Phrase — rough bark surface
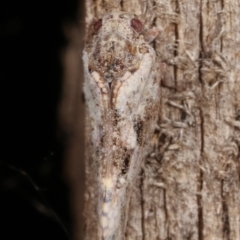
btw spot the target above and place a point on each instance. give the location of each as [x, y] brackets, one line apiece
[189, 185]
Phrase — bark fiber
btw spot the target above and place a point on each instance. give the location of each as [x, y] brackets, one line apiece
[189, 185]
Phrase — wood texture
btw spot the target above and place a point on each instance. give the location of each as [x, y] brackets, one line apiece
[189, 185]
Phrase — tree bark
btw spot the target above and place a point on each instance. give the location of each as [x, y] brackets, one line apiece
[189, 185]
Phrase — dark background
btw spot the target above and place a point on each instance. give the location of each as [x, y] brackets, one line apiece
[32, 185]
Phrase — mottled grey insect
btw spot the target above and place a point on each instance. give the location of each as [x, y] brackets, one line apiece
[122, 96]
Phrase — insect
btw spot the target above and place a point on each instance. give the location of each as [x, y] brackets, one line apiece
[121, 88]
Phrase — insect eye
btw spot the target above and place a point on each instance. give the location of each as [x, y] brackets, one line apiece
[136, 25]
[97, 25]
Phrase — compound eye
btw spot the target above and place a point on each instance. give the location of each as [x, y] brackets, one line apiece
[136, 25]
[97, 25]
